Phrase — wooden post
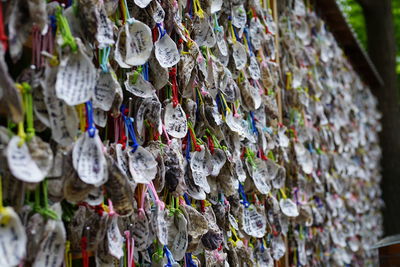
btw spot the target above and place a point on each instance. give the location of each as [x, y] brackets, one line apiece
[285, 260]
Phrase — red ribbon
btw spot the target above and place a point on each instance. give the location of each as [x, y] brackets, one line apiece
[3, 36]
[193, 137]
[172, 75]
[202, 206]
[210, 144]
[85, 257]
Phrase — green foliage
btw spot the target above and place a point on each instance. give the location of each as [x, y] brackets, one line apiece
[355, 17]
[396, 20]
[354, 14]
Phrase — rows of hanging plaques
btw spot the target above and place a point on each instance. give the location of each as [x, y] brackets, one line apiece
[183, 133]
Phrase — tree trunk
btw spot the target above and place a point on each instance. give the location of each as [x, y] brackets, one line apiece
[382, 50]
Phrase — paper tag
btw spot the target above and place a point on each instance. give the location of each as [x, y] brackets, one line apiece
[100, 117]
[231, 90]
[158, 14]
[149, 109]
[21, 163]
[221, 43]
[12, 240]
[175, 121]
[197, 161]
[234, 123]
[122, 160]
[161, 226]
[216, 6]
[283, 139]
[142, 3]
[260, 174]
[278, 247]
[141, 233]
[62, 118]
[58, 160]
[39, 106]
[139, 86]
[212, 240]
[239, 55]
[254, 68]
[142, 165]
[95, 196]
[197, 223]
[251, 96]
[115, 239]
[240, 173]
[204, 34]
[288, 207]
[239, 16]
[139, 43]
[233, 222]
[303, 157]
[159, 76]
[302, 252]
[201, 62]
[34, 228]
[180, 241]
[215, 114]
[264, 258]
[51, 252]
[218, 160]
[194, 190]
[76, 78]
[280, 178]
[78, 143]
[166, 52]
[222, 58]
[119, 189]
[88, 159]
[254, 224]
[105, 90]
[120, 48]
[104, 34]
[186, 66]
[41, 154]
[200, 179]
[257, 32]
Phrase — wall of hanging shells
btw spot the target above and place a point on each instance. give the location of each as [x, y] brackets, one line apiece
[183, 133]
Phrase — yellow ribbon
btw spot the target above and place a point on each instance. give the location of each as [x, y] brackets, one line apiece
[197, 9]
[5, 216]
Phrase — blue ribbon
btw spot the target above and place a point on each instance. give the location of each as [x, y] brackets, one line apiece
[161, 30]
[131, 129]
[188, 147]
[146, 71]
[253, 123]
[170, 258]
[187, 200]
[189, 260]
[53, 23]
[89, 113]
[246, 33]
[244, 198]
[262, 246]
[220, 104]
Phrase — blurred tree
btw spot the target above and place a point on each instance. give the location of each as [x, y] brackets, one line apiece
[375, 26]
[354, 13]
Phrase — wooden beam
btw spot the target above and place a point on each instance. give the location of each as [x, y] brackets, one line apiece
[344, 35]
